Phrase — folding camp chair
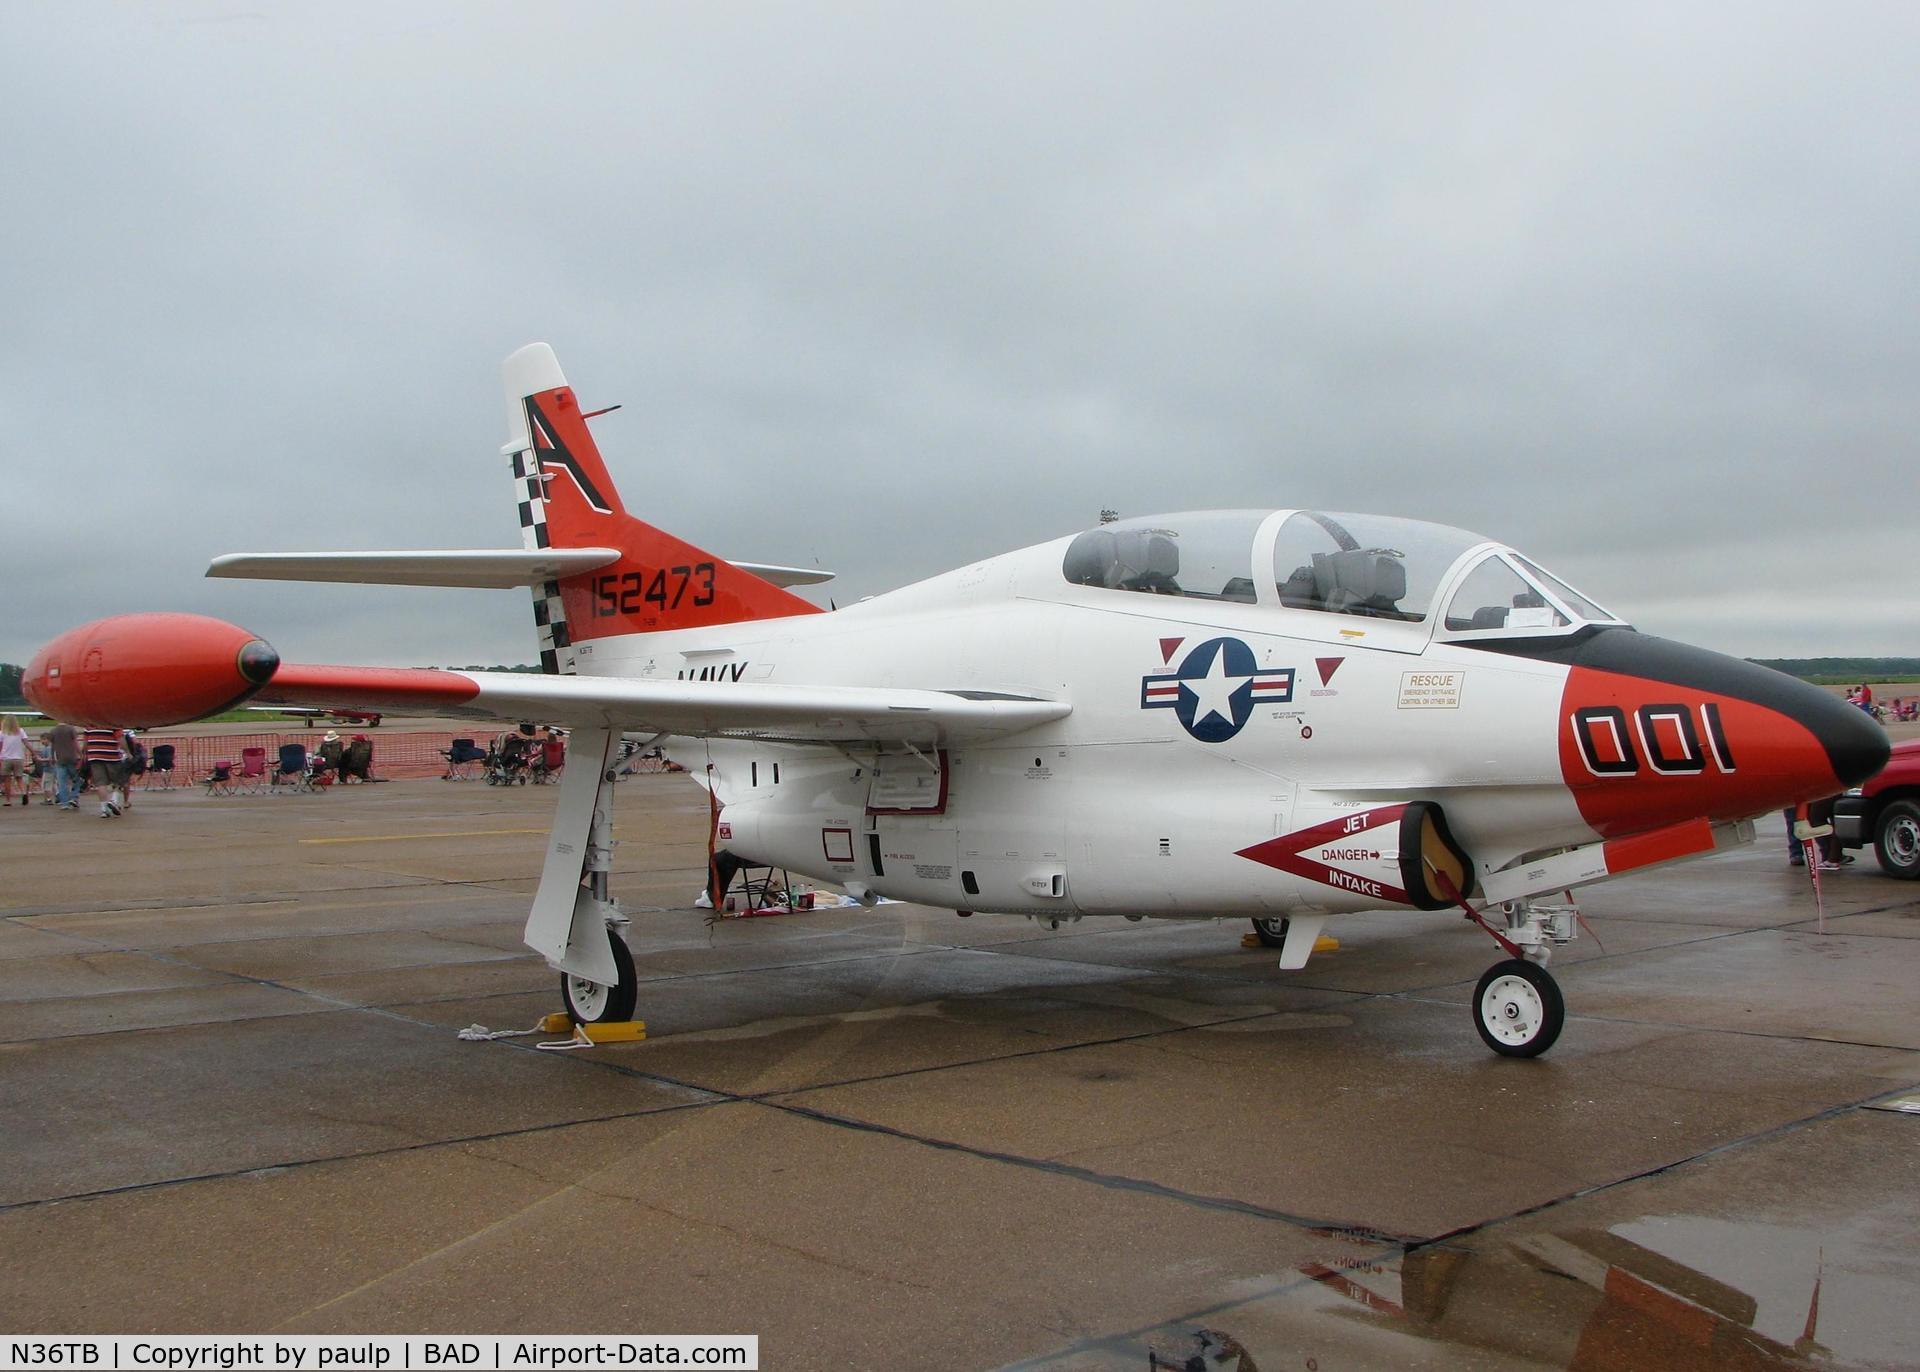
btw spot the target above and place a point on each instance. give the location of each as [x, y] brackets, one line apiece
[160, 766]
[252, 776]
[461, 758]
[356, 764]
[291, 770]
[219, 781]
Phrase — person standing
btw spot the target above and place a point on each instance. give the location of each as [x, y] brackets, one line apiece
[106, 768]
[13, 762]
[133, 755]
[64, 740]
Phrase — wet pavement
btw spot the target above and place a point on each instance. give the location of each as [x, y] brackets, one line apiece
[231, 1098]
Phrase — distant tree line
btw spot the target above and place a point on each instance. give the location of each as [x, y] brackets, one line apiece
[1850, 668]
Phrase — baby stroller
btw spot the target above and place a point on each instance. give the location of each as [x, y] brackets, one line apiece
[507, 761]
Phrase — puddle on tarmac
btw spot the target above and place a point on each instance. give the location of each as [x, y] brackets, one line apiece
[1665, 1292]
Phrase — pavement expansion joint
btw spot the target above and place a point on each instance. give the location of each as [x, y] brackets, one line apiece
[1105, 1180]
[1725, 1146]
[158, 905]
[391, 1150]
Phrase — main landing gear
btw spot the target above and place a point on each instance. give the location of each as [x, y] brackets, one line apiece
[1517, 1006]
[573, 920]
[1272, 932]
[597, 1002]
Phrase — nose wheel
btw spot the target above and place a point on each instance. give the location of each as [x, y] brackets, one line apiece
[1517, 1009]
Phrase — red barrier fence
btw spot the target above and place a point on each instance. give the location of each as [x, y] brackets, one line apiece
[396, 753]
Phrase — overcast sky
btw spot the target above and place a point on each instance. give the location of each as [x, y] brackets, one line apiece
[891, 288]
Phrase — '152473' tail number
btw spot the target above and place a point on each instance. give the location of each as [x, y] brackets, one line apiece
[627, 593]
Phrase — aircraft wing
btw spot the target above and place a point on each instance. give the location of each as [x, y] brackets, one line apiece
[478, 567]
[700, 709]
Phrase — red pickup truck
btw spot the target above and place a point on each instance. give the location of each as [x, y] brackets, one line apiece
[1886, 813]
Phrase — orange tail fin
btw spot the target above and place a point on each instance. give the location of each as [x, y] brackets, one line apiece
[568, 500]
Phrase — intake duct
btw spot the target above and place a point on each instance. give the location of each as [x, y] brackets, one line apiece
[1428, 851]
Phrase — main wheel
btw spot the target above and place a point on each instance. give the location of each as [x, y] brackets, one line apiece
[1896, 840]
[1272, 933]
[1517, 1009]
[593, 1002]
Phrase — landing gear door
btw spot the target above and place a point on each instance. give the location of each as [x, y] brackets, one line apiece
[909, 784]
[911, 844]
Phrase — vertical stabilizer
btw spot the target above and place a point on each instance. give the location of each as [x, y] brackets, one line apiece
[567, 499]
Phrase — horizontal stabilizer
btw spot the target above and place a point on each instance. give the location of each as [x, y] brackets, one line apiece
[484, 567]
[475, 567]
[785, 576]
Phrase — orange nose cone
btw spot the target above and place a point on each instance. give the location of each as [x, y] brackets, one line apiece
[142, 671]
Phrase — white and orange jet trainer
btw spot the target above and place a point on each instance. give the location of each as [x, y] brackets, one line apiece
[1283, 715]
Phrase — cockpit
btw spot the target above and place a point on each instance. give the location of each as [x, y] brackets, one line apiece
[1367, 566]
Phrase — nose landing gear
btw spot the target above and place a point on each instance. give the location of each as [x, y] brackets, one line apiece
[1517, 1007]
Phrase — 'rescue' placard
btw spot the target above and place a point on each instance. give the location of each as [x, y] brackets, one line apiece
[1430, 690]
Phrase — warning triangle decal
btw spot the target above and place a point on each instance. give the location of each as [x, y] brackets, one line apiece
[1345, 852]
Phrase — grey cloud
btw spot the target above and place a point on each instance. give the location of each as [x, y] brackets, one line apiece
[892, 288]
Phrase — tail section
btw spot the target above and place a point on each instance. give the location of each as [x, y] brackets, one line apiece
[567, 500]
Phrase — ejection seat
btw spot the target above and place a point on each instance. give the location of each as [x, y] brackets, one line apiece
[1149, 561]
[1362, 582]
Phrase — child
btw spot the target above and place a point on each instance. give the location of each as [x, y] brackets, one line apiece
[14, 756]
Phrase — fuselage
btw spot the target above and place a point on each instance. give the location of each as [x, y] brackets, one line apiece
[1203, 727]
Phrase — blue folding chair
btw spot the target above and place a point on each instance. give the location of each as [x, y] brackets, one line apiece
[291, 770]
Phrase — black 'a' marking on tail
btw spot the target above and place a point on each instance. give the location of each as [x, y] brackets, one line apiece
[549, 451]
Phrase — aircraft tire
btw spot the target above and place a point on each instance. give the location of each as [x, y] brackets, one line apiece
[589, 1002]
[1272, 933]
[1518, 1009]
[1896, 840]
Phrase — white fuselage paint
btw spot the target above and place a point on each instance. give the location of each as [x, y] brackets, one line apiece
[1117, 808]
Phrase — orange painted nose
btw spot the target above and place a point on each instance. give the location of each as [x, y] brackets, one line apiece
[1653, 731]
[146, 670]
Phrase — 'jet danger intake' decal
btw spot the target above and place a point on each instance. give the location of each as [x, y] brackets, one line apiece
[1214, 689]
[1357, 853]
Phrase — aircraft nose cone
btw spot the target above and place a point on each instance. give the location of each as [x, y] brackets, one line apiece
[1850, 746]
[1856, 745]
[1653, 731]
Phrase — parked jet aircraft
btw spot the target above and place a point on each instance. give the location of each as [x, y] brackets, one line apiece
[1284, 714]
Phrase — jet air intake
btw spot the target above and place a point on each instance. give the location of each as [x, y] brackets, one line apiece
[1435, 871]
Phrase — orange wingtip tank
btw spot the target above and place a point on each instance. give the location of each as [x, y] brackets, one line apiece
[145, 670]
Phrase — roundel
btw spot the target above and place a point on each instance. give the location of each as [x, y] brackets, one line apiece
[1214, 689]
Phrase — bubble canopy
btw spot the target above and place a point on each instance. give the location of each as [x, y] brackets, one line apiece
[1369, 566]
